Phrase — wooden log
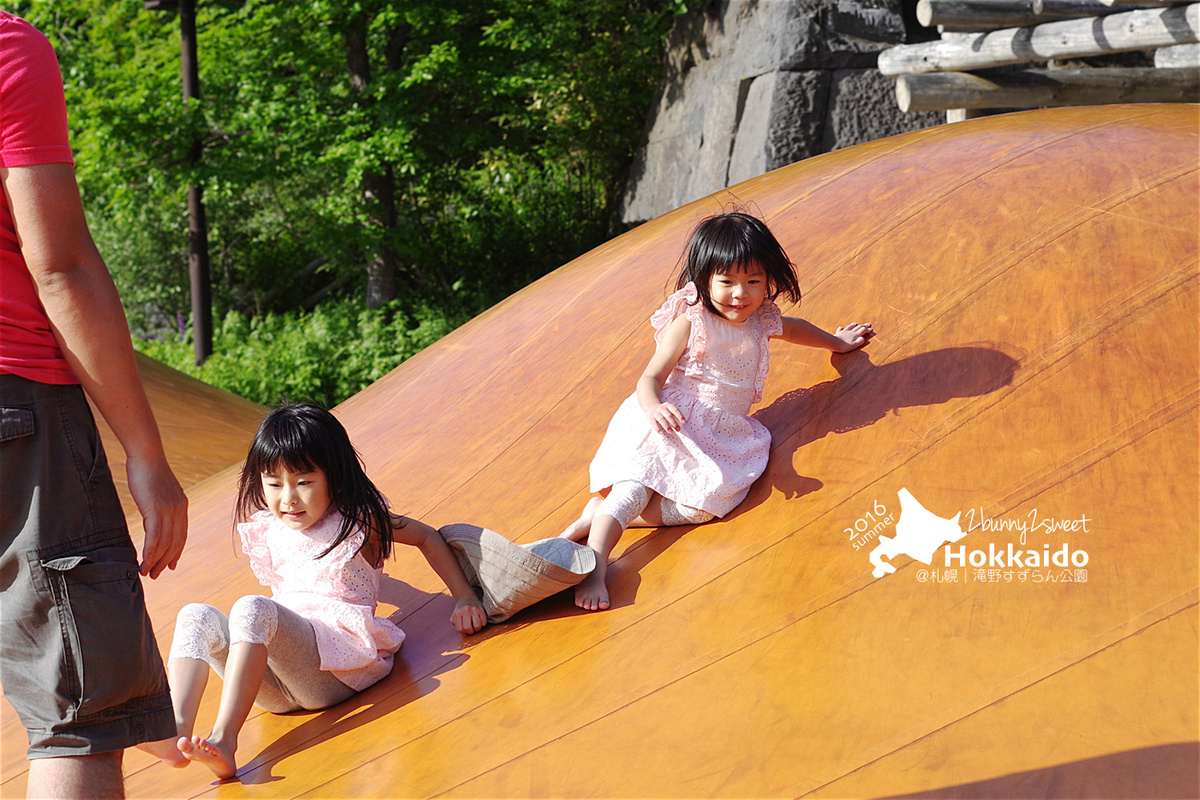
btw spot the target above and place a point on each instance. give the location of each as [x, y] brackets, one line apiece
[1144, 29]
[1045, 89]
[983, 15]
[1068, 9]
[977, 14]
[1142, 3]
[1181, 56]
[961, 114]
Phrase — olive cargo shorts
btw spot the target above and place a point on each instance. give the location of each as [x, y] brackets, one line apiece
[78, 658]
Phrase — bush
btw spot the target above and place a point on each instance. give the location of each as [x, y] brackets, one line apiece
[322, 357]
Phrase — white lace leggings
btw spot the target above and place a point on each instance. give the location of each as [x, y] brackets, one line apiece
[627, 499]
[294, 679]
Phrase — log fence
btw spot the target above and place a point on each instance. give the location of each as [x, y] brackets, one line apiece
[1016, 54]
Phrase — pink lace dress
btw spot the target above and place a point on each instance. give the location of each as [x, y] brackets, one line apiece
[337, 593]
[710, 463]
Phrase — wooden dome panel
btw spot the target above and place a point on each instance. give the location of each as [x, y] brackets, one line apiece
[1033, 280]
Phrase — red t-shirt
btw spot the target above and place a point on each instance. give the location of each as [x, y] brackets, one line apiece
[33, 130]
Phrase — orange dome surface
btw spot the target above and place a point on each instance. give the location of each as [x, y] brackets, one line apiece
[1032, 279]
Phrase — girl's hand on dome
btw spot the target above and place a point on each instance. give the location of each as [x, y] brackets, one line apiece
[853, 336]
[469, 616]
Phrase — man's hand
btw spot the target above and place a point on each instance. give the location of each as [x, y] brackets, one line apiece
[163, 506]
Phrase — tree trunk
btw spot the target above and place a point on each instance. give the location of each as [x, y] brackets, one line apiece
[378, 186]
[379, 190]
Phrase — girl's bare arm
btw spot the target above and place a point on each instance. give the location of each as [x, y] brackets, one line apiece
[663, 416]
[468, 616]
[843, 340]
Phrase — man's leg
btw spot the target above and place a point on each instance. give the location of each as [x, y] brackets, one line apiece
[94, 777]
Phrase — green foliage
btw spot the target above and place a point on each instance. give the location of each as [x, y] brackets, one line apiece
[471, 147]
[324, 356]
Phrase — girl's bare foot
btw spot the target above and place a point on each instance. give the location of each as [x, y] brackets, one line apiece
[592, 593]
[578, 530]
[210, 753]
[167, 751]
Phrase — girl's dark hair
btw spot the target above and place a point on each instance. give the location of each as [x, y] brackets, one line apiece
[731, 241]
[299, 437]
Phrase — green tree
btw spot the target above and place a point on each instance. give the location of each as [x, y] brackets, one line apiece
[439, 154]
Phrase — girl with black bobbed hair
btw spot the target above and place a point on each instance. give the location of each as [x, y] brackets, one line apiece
[683, 449]
[317, 532]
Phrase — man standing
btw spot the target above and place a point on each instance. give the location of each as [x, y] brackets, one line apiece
[79, 661]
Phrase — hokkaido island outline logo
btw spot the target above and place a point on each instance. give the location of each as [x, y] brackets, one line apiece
[920, 533]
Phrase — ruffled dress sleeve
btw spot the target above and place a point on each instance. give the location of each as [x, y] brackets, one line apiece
[771, 318]
[685, 301]
[770, 323]
[254, 544]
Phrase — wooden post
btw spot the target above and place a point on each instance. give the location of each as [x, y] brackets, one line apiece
[1144, 29]
[1044, 89]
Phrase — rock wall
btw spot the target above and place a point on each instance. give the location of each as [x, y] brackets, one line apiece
[753, 85]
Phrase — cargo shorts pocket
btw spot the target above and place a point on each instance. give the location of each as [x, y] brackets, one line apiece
[109, 655]
[15, 423]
